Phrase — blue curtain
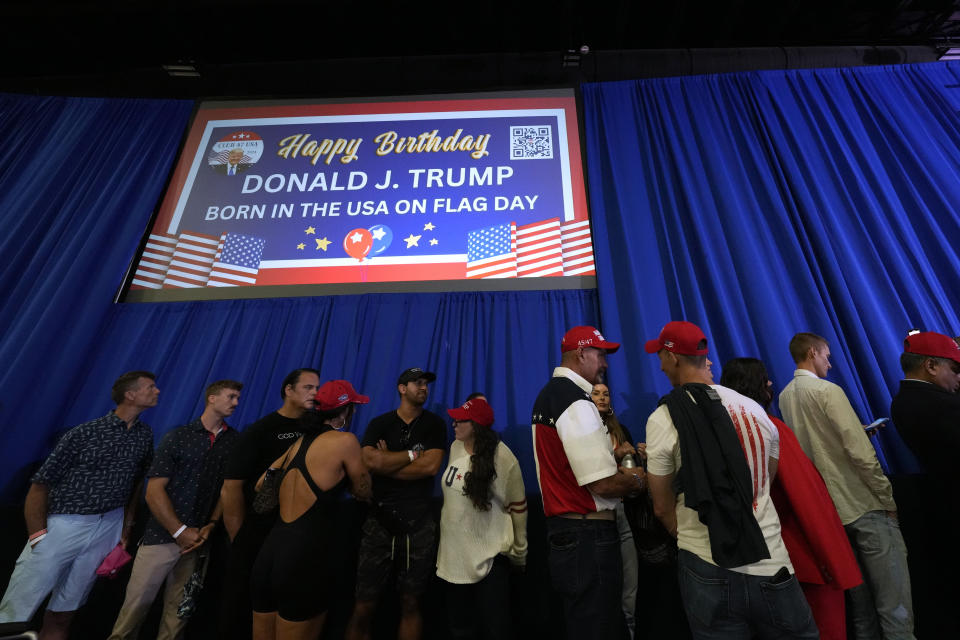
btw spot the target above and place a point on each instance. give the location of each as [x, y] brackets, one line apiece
[766, 203]
[78, 181]
[756, 204]
[502, 343]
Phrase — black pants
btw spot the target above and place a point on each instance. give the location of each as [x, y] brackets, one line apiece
[481, 610]
[236, 610]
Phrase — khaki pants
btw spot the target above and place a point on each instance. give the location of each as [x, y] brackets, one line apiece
[154, 564]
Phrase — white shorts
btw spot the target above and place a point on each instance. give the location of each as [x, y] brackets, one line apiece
[64, 562]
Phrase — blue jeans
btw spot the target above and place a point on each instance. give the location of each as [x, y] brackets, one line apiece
[884, 597]
[723, 604]
[584, 560]
[629, 563]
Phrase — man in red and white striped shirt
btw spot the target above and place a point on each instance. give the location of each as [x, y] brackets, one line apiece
[763, 598]
[581, 483]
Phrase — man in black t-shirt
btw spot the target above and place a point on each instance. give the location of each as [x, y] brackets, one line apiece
[404, 451]
[259, 445]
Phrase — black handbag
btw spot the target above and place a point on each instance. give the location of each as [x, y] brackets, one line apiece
[267, 497]
[655, 546]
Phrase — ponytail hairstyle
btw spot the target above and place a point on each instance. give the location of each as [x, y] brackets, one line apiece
[479, 479]
[320, 421]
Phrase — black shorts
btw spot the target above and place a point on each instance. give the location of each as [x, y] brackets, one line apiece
[291, 575]
[411, 555]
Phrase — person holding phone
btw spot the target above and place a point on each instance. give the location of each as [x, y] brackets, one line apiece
[833, 437]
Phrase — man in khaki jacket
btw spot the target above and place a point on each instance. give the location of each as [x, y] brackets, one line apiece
[833, 437]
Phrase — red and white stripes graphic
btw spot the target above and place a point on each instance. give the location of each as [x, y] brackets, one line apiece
[155, 260]
[753, 445]
[516, 507]
[216, 256]
[538, 249]
[577, 249]
[192, 260]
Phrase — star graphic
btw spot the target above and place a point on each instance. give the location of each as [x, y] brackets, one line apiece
[310, 230]
[412, 241]
[550, 421]
[434, 241]
[301, 246]
[322, 243]
[429, 227]
[357, 237]
[378, 233]
[459, 476]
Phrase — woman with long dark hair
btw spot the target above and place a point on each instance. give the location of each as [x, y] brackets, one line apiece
[291, 578]
[620, 438]
[483, 525]
[811, 529]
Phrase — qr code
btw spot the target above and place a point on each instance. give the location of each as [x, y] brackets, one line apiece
[531, 142]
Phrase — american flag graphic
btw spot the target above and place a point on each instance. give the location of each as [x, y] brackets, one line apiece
[754, 447]
[192, 259]
[237, 262]
[492, 252]
[577, 249]
[154, 260]
[539, 249]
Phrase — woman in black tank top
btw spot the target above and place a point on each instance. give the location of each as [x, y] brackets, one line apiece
[291, 576]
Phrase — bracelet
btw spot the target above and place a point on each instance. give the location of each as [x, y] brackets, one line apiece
[37, 534]
[33, 541]
[182, 528]
[639, 481]
[410, 453]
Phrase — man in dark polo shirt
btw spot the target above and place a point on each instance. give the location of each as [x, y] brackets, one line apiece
[581, 484]
[926, 413]
[258, 446]
[403, 450]
[183, 493]
[75, 507]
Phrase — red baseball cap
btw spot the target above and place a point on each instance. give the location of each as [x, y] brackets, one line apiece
[477, 410]
[336, 393]
[680, 337]
[584, 336]
[933, 344]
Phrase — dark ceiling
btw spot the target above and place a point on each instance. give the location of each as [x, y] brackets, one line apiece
[243, 47]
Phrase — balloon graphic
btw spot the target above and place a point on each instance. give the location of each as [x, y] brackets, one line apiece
[357, 243]
[382, 237]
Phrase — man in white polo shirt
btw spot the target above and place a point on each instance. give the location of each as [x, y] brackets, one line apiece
[711, 456]
[581, 485]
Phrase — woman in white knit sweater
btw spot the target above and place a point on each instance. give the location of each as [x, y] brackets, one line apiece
[483, 525]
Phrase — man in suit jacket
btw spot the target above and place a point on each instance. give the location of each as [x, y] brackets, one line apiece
[234, 164]
[926, 412]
